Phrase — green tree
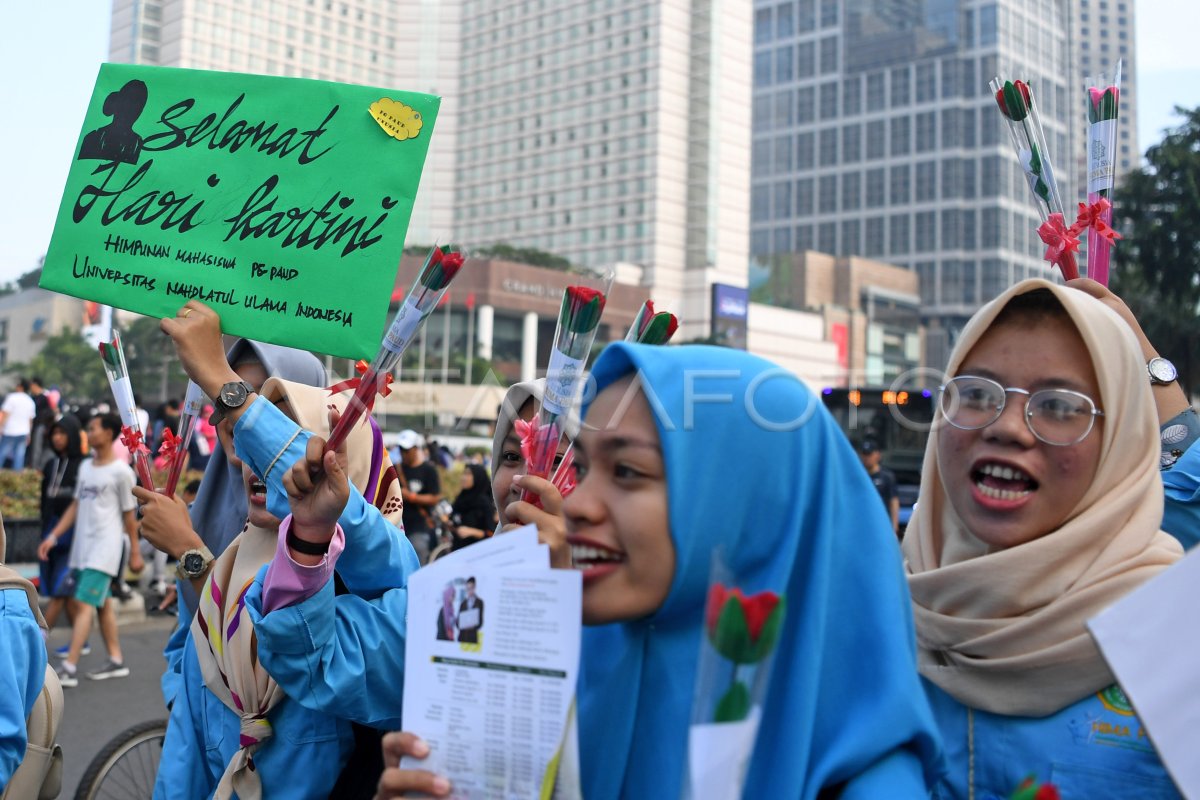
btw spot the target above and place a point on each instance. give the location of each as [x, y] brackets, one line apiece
[154, 371]
[67, 361]
[525, 255]
[1158, 262]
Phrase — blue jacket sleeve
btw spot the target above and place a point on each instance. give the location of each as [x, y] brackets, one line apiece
[22, 671]
[898, 774]
[342, 655]
[173, 653]
[1181, 511]
[181, 772]
[377, 555]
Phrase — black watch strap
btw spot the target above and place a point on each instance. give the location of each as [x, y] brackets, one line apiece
[308, 548]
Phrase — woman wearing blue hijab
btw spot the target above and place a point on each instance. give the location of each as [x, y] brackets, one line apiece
[658, 494]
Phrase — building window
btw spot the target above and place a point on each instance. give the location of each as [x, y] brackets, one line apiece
[901, 135]
[852, 96]
[851, 144]
[926, 222]
[829, 13]
[875, 139]
[783, 200]
[805, 150]
[828, 196]
[785, 23]
[762, 26]
[806, 19]
[828, 145]
[806, 60]
[875, 95]
[762, 68]
[926, 82]
[901, 189]
[901, 89]
[876, 191]
[785, 109]
[806, 104]
[874, 234]
[827, 237]
[829, 100]
[851, 238]
[851, 191]
[898, 243]
[926, 181]
[785, 64]
[783, 154]
[829, 55]
[926, 132]
[804, 197]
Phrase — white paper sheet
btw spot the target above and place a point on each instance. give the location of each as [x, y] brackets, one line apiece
[493, 711]
[1149, 638]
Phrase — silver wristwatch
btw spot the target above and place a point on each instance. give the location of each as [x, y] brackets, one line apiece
[1161, 371]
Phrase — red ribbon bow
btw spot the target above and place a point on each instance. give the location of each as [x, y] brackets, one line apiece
[1059, 238]
[353, 383]
[170, 444]
[1092, 216]
[133, 440]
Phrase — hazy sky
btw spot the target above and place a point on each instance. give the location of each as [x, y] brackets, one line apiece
[50, 51]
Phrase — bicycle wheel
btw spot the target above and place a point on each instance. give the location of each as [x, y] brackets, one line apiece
[126, 767]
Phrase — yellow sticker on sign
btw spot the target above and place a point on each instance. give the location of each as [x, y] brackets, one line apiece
[397, 120]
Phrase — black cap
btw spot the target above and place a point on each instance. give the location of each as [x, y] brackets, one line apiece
[868, 446]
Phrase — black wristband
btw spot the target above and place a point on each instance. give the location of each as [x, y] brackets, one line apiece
[308, 548]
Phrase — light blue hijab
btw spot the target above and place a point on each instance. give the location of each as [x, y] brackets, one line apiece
[757, 468]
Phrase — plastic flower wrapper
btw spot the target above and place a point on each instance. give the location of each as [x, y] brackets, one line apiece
[650, 327]
[1030, 789]
[174, 446]
[1103, 102]
[1019, 109]
[578, 322]
[441, 265]
[112, 355]
[740, 634]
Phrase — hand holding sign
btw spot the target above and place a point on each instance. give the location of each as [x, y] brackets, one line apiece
[196, 331]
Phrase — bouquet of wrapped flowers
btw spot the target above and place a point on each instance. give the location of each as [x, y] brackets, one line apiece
[174, 447]
[112, 355]
[1019, 109]
[578, 321]
[441, 266]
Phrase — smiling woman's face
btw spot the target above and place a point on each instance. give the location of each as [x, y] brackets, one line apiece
[618, 523]
[1007, 486]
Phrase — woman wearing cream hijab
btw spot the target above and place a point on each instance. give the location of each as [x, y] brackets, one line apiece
[1040, 505]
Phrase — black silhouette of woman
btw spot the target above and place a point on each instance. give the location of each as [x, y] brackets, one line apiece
[117, 141]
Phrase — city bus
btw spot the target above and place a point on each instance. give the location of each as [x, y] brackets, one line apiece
[898, 420]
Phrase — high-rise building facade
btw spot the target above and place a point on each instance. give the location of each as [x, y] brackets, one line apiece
[875, 134]
[393, 44]
[611, 131]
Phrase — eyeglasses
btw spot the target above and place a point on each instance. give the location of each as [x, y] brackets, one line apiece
[1055, 416]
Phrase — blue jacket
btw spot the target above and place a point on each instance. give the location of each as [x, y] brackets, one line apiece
[1093, 748]
[22, 670]
[316, 650]
[1181, 487]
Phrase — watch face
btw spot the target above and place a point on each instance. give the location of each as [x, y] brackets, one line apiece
[1162, 370]
[233, 394]
[193, 563]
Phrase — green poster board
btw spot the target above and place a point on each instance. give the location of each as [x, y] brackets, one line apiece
[281, 202]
